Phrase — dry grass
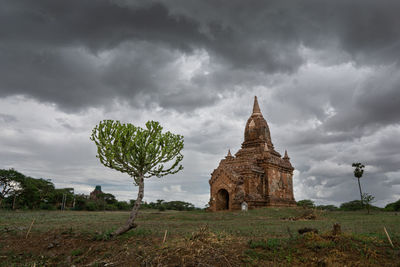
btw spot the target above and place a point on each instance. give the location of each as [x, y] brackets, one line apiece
[255, 238]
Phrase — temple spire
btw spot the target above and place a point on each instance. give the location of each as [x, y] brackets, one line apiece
[229, 156]
[256, 108]
[286, 157]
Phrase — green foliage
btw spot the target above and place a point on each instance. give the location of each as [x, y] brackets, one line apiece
[327, 207]
[351, 205]
[306, 203]
[367, 200]
[171, 205]
[136, 151]
[355, 205]
[257, 243]
[76, 252]
[106, 235]
[80, 202]
[35, 191]
[123, 205]
[270, 243]
[359, 169]
[10, 183]
[394, 206]
[47, 206]
[92, 205]
[141, 153]
[41, 194]
[358, 173]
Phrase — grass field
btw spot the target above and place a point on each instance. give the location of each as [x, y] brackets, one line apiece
[257, 237]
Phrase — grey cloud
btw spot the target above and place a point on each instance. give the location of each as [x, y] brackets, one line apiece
[57, 45]
[326, 73]
[7, 118]
[374, 103]
[94, 24]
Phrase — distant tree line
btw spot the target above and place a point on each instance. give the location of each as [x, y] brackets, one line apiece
[18, 191]
[349, 206]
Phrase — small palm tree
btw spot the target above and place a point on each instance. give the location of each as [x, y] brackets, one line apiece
[358, 173]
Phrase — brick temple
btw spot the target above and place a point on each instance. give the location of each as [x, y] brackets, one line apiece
[257, 176]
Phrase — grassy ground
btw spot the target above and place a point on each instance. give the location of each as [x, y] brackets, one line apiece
[258, 237]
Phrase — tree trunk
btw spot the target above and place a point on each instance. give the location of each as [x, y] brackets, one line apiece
[15, 196]
[135, 210]
[359, 186]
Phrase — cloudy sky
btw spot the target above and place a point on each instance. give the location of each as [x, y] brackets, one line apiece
[326, 74]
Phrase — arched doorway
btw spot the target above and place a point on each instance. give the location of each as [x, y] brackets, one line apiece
[222, 200]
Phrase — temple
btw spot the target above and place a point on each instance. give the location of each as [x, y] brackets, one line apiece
[257, 176]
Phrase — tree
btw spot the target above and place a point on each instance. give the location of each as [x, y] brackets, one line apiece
[367, 199]
[306, 203]
[9, 183]
[140, 153]
[34, 192]
[358, 173]
[395, 206]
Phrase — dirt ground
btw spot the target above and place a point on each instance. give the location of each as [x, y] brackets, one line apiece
[201, 248]
[264, 237]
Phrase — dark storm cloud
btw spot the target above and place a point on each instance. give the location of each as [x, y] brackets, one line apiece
[326, 72]
[54, 45]
[94, 24]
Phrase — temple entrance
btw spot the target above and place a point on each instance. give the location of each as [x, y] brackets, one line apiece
[222, 200]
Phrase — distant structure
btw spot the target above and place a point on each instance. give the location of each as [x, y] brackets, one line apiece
[94, 194]
[257, 176]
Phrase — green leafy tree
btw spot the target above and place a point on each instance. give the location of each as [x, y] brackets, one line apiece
[35, 191]
[358, 173]
[306, 203]
[395, 206]
[9, 183]
[367, 200]
[140, 153]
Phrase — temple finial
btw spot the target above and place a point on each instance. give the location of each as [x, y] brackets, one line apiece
[286, 156]
[256, 108]
[229, 156]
